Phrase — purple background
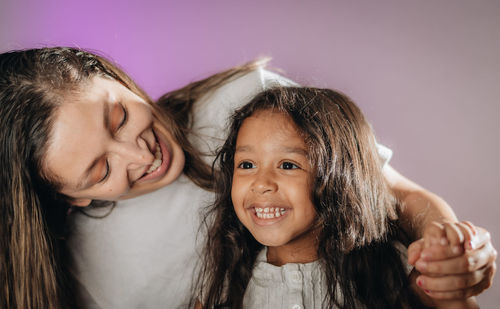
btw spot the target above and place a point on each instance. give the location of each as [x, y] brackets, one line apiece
[426, 73]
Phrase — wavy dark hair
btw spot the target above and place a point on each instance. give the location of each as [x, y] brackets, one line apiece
[34, 260]
[356, 210]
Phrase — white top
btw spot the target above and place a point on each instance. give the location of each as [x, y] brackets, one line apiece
[142, 255]
[291, 286]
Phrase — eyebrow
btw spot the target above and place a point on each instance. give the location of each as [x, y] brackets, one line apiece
[83, 182]
[296, 150]
[106, 115]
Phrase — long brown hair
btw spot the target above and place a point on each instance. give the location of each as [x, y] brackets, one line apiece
[33, 257]
[177, 106]
[356, 209]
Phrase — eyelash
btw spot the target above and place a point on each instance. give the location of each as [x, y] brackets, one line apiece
[107, 172]
[295, 166]
[245, 162]
[125, 117]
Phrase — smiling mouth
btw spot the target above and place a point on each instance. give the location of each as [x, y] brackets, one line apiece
[160, 164]
[158, 160]
[269, 212]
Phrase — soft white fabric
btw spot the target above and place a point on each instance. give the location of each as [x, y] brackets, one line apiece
[292, 285]
[143, 254]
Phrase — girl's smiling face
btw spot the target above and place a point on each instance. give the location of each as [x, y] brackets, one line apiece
[106, 144]
[272, 180]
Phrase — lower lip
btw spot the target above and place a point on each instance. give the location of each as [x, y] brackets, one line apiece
[266, 222]
[165, 164]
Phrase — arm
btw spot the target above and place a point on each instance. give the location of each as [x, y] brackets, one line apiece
[444, 274]
[419, 207]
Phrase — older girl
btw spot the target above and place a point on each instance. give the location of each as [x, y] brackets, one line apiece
[76, 131]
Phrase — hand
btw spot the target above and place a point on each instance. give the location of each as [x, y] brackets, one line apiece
[450, 270]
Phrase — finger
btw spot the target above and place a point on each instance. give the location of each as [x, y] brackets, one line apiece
[471, 226]
[433, 234]
[453, 282]
[454, 234]
[461, 293]
[482, 237]
[468, 232]
[436, 253]
[492, 273]
[414, 251]
[465, 263]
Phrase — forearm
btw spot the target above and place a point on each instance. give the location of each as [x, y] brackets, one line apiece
[418, 207]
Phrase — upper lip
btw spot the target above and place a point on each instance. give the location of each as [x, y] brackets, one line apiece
[152, 149]
[266, 205]
[152, 146]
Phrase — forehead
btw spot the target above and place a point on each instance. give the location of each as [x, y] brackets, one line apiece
[264, 125]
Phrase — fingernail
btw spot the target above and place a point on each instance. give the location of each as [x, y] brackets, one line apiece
[443, 241]
[471, 245]
[419, 282]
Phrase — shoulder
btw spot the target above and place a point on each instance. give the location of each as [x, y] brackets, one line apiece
[244, 87]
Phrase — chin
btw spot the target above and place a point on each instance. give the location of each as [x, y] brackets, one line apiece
[270, 241]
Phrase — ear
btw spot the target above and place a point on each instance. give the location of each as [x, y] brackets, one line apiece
[81, 202]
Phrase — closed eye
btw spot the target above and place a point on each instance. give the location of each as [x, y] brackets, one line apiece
[246, 165]
[125, 117]
[107, 172]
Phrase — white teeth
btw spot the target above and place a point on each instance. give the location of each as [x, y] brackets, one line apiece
[269, 212]
[158, 160]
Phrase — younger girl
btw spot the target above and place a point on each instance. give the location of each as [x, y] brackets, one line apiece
[303, 216]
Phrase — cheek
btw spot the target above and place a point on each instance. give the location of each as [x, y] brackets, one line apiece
[237, 191]
[302, 195]
[143, 113]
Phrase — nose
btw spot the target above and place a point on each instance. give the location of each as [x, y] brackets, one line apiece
[264, 182]
[135, 156]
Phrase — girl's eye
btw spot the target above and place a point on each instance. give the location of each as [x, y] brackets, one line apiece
[118, 117]
[246, 165]
[288, 166]
[107, 172]
[125, 117]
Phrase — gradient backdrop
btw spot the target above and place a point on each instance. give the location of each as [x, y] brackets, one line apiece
[426, 73]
